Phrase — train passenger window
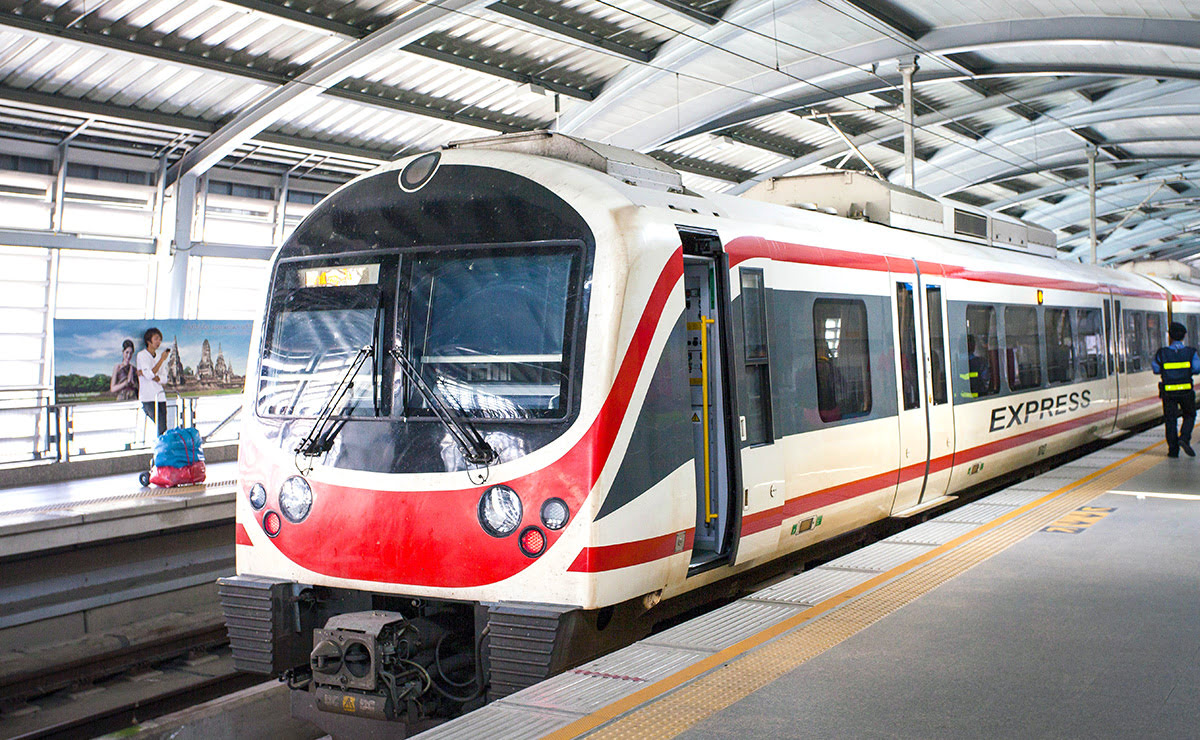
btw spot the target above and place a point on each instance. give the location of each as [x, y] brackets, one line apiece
[937, 345]
[1021, 347]
[1089, 343]
[843, 359]
[1193, 330]
[1135, 340]
[758, 377]
[909, 383]
[983, 353]
[1060, 346]
[1156, 335]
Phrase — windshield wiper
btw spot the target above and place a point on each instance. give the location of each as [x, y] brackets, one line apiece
[320, 438]
[475, 449]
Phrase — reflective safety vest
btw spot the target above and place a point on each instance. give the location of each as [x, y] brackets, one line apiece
[1176, 366]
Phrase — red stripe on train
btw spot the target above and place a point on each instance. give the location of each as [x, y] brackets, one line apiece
[241, 536]
[751, 247]
[626, 553]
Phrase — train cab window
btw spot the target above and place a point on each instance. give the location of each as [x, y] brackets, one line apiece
[843, 359]
[1060, 346]
[982, 369]
[937, 345]
[1135, 340]
[1089, 343]
[325, 319]
[1021, 347]
[758, 382]
[490, 330]
[909, 382]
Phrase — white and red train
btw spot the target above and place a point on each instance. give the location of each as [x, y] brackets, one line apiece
[510, 396]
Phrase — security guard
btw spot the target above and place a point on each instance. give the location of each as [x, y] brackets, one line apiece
[1177, 363]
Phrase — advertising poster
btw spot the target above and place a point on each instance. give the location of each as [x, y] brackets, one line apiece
[94, 359]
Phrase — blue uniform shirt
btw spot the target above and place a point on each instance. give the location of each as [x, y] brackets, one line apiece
[1177, 345]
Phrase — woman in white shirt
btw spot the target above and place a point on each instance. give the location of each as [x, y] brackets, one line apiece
[150, 377]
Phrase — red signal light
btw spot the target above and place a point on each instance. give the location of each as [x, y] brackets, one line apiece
[272, 523]
[533, 541]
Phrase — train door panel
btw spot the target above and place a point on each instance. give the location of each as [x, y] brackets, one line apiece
[1114, 379]
[912, 419]
[1122, 348]
[761, 462]
[937, 390]
[708, 412]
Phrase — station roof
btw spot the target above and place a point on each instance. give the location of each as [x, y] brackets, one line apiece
[1009, 95]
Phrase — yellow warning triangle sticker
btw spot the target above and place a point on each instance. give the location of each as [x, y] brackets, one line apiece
[695, 417]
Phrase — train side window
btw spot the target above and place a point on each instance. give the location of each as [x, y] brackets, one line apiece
[1135, 331]
[1193, 330]
[843, 358]
[1060, 346]
[937, 358]
[1156, 335]
[758, 377]
[1021, 347]
[909, 384]
[1089, 343]
[983, 352]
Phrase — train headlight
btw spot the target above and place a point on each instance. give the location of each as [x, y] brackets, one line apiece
[555, 513]
[500, 511]
[258, 496]
[295, 499]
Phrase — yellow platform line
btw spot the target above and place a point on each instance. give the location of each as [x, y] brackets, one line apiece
[673, 704]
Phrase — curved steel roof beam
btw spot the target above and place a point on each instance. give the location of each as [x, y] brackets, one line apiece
[998, 146]
[1110, 199]
[315, 80]
[799, 84]
[1138, 236]
[1151, 169]
[978, 166]
[895, 130]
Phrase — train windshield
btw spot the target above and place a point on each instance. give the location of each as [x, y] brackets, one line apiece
[490, 330]
[321, 319]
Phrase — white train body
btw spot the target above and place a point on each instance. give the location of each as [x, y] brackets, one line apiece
[809, 356]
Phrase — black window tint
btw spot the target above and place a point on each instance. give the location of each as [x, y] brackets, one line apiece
[937, 344]
[1060, 346]
[1021, 347]
[909, 386]
[1135, 341]
[754, 321]
[842, 359]
[983, 352]
[1089, 343]
[758, 380]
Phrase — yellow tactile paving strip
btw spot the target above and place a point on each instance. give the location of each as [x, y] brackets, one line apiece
[672, 705]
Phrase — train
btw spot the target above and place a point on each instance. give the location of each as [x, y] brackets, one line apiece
[517, 398]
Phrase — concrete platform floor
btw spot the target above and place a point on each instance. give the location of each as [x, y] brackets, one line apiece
[1090, 634]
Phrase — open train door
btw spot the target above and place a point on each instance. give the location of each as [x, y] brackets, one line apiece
[925, 417]
[705, 278]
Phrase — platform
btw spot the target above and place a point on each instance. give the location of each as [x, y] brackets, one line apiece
[1063, 606]
[52, 515]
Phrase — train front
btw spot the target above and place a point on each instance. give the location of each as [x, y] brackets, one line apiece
[410, 462]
